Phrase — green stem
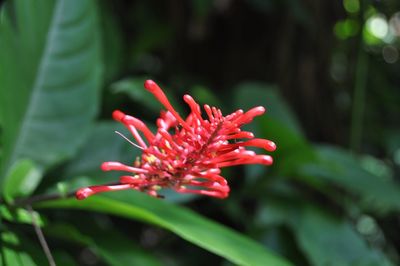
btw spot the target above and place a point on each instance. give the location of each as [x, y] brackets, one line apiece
[360, 86]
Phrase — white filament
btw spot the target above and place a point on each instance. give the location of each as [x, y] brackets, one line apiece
[128, 140]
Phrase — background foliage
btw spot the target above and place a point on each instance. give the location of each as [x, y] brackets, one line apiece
[327, 71]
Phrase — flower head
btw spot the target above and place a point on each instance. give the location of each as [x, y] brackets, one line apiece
[186, 154]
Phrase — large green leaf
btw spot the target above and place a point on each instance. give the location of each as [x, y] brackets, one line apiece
[328, 240]
[50, 65]
[189, 225]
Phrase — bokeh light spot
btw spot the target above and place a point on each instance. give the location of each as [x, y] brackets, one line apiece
[394, 24]
[351, 6]
[346, 28]
[378, 26]
[366, 225]
[390, 54]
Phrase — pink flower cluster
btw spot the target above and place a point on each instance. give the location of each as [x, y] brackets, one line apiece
[186, 154]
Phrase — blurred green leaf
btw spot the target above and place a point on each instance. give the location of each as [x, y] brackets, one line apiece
[205, 96]
[341, 168]
[113, 45]
[103, 145]
[63, 258]
[278, 124]
[19, 251]
[190, 226]
[251, 94]
[134, 88]
[324, 238]
[152, 34]
[328, 240]
[50, 54]
[10, 255]
[20, 215]
[113, 247]
[22, 180]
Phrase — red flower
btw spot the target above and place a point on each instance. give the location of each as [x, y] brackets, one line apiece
[186, 154]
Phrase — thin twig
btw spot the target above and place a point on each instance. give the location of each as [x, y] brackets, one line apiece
[41, 198]
[41, 238]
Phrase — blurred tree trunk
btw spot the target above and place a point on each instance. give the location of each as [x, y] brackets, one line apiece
[289, 45]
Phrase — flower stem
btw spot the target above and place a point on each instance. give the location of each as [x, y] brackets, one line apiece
[40, 198]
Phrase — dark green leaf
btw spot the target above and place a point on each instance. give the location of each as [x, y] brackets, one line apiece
[328, 240]
[203, 95]
[278, 124]
[113, 44]
[111, 246]
[251, 94]
[17, 251]
[324, 238]
[103, 145]
[338, 166]
[133, 87]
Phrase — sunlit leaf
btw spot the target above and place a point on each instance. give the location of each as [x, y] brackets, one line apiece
[20, 215]
[22, 180]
